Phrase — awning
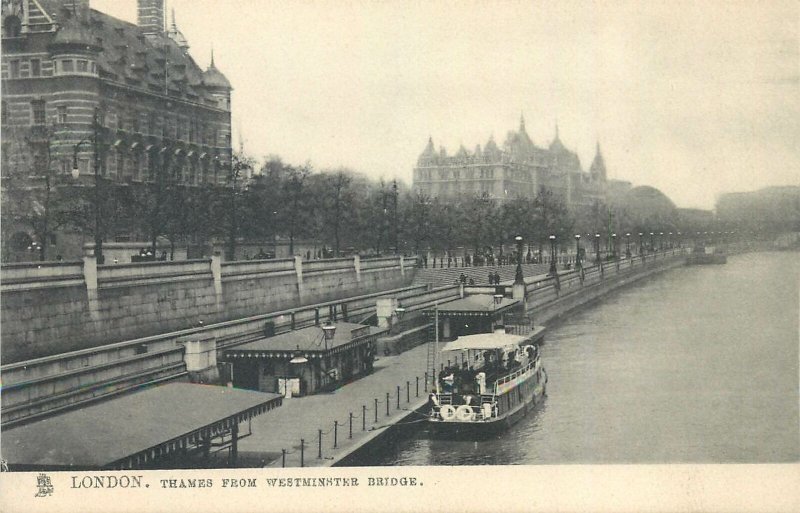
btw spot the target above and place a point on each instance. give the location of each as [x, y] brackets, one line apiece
[484, 341]
[133, 429]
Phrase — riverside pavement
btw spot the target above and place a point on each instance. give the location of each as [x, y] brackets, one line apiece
[302, 417]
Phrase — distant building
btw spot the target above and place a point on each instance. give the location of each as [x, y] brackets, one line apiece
[518, 169]
[771, 209]
[67, 68]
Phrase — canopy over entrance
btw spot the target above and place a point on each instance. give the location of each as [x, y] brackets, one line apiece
[135, 430]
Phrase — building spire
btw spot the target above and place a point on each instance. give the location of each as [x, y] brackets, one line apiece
[556, 130]
[212, 56]
[522, 122]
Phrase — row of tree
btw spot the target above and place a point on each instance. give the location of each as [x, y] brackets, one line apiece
[339, 208]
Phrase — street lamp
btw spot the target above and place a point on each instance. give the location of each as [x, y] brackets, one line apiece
[597, 248]
[577, 251]
[661, 238]
[614, 246]
[518, 275]
[98, 238]
[628, 246]
[553, 270]
[652, 242]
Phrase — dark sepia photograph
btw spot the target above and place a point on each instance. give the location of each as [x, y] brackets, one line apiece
[259, 235]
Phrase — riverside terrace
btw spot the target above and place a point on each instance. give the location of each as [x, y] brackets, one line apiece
[344, 423]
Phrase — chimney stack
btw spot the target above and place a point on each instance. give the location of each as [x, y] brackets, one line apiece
[151, 16]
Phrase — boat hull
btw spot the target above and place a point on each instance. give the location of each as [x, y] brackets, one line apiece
[477, 430]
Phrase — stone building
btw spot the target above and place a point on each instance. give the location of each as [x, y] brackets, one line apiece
[519, 168]
[83, 88]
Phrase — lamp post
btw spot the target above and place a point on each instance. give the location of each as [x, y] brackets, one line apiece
[661, 238]
[614, 246]
[577, 251]
[628, 245]
[553, 270]
[652, 242]
[518, 278]
[597, 248]
[98, 238]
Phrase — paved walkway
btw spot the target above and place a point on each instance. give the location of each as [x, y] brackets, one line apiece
[282, 428]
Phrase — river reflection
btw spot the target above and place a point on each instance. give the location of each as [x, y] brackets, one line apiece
[696, 365]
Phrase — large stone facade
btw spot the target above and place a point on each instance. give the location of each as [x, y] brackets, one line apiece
[83, 88]
[518, 169]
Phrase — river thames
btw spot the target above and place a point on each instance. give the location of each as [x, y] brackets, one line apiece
[695, 365]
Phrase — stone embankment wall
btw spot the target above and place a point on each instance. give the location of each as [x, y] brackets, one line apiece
[52, 308]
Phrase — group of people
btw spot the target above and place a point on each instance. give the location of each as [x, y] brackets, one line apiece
[148, 255]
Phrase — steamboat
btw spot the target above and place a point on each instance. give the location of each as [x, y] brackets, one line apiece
[499, 380]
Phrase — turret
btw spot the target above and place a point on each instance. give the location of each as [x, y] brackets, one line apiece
[217, 85]
[428, 155]
[598, 167]
[73, 48]
[177, 36]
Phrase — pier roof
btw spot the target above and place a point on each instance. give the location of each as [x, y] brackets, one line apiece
[134, 428]
[311, 341]
[475, 305]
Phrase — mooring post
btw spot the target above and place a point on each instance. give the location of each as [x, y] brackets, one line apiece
[319, 444]
[351, 425]
[335, 433]
[363, 417]
[302, 452]
[387, 404]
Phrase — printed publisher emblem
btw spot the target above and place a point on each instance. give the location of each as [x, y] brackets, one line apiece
[44, 484]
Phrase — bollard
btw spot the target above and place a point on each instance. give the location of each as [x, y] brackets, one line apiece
[302, 452]
[387, 404]
[363, 417]
[335, 433]
[319, 444]
[283, 458]
[351, 425]
[408, 391]
[376, 410]
[398, 397]
[426, 382]
[417, 378]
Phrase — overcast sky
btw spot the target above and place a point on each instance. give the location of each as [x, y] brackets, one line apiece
[692, 98]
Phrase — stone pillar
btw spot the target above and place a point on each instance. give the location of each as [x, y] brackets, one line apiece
[90, 279]
[357, 266]
[298, 269]
[518, 290]
[200, 356]
[216, 272]
[385, 309]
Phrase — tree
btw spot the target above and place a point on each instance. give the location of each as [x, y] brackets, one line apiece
[237, 172]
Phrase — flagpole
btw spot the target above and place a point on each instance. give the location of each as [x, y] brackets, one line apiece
[436, 345]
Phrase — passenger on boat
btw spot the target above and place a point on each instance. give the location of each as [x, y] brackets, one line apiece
[481, 382]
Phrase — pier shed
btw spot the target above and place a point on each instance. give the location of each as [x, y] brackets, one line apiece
[479, 313]
[307, 360]
[176, 425]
